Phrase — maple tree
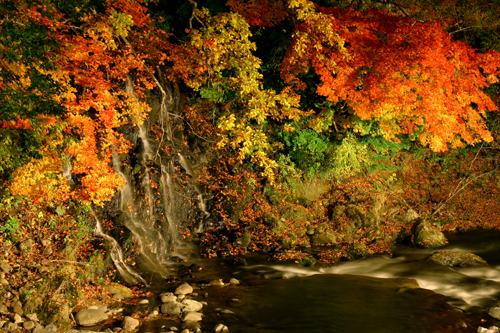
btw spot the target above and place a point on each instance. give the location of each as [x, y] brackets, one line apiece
[75, 76]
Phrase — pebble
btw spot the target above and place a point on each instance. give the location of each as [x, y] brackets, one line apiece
[221, 328]
[144, 302]
[28, 325]
[234, 282]
[184, 288]
[227, 311]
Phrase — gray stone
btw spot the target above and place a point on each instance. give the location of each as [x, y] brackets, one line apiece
[90, 317]
[5, 267]
[26, 246]
[221, 328]
[428, 237]
[171, 308]
[129, 324]
[234, 282]
[191, 316]
[184, 289]
[457, 259]
[191, 305]
[28, 325]
[143, 302]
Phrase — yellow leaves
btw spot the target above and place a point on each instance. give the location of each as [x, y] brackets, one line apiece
[121, 22]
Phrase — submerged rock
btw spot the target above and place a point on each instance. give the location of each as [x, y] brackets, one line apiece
[457, 259]
[428, 237]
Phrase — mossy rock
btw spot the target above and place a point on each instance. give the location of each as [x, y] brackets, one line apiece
[116, 288]
[323, 238]
[457, 259]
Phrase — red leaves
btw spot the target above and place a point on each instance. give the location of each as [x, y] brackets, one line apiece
[16, 124]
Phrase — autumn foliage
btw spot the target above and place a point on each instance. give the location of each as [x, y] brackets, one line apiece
[405, 76]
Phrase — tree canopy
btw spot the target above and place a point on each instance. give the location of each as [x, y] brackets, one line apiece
[73, 74]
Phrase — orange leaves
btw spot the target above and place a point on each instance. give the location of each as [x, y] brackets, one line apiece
[398, 72]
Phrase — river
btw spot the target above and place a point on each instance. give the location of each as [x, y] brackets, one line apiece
[367, 295]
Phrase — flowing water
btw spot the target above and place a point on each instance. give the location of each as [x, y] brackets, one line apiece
[369, 295]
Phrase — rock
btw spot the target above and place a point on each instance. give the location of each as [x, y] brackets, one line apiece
[221, 328]
[173, 328]
[171, 308]
[185, 331]
[90, 317]
[191, 316]
[494, 312]
[153, 314]
[428, 237]
[11, 327]
[28, 325]
[491, 329]
[51, 328]
[184, 289]
[191, 325]
[26, 246]
[3, 308]
[409, 216]
[168, 297]
[118, 296]
[16, 318]
[5, 267]
[219, 283]
[4, 282]
[2, 322]
[116, 288]
[205, 295]
[190, 305]
[234, 282]
[225, 311]
[129, 324]
[457, 259]
[143, 302]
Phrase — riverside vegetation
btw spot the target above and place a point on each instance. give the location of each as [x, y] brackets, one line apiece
[131, 128]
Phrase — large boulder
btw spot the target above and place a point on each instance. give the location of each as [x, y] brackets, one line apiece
[457, 259]
[428, 237]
